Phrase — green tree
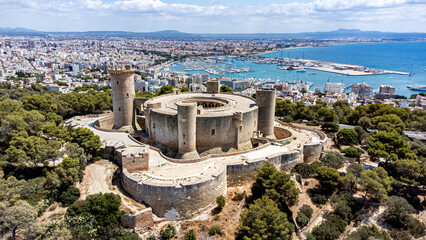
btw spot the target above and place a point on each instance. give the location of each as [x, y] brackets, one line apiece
[388, 145]
[168, 232]
[329, 178]
[100, 214]
[19, 216]
[69, 196]
[263, 220]
[226, 89]
[302, 220]
[330, 127]
[333, 160]
[164, 90]
[347, 136]
[86, 139]
[285, 109]
[376, 183]
[277, 186]
[367, 233]
[362, 134]
[398, 211]
[356, 169]
[326, 115]
[220, 201]
[388, 122]
[307, 211]
[352, 152]
[184, 89]
[190, 236]
[304, 169]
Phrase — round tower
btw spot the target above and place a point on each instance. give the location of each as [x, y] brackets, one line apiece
[265, 100]
[187, 125]
[123, 95]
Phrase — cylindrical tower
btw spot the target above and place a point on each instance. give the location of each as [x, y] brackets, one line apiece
[123, 95]
[187, 125]
[265, 100]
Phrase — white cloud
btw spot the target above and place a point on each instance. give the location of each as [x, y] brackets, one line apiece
[290, 16]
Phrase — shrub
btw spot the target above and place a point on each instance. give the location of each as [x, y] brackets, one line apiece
[400, 234]
[220, 200]
[69, 196]
[307, 210]
[330, 127]
[368, 232]
[326, 231]
[416, 228]
[239, 196]
[352, 152]
[302, 220]
[190, 235]
[152, 237]
[168, 233]
[304, 169]
[319, 199]
[213, 230]
[263, 218]
[397, 211]
[333, 160]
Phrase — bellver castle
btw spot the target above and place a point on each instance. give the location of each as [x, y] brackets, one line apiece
[179, 151]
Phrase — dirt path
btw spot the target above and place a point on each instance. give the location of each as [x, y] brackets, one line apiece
[98, 179]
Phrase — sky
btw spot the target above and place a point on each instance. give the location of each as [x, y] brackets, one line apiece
[215, 16]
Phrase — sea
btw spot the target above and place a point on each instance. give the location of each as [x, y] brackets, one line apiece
[397, 56]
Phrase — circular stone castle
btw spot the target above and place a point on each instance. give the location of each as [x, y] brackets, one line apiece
[194, 124]
[179, 151]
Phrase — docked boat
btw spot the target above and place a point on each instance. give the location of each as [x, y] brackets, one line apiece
[301, 70]
[417, 87]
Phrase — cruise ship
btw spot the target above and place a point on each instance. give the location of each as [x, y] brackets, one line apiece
[417, 87]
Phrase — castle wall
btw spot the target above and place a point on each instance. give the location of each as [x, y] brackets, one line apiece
[163, 129]
[245, 172]
[140, 220]
[177, 201]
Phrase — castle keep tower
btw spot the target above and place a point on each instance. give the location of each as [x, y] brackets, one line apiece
[123, 95]
[187, 117]
[213, 87]
[265, 100]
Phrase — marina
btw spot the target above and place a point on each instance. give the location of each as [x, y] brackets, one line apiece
[398, 58]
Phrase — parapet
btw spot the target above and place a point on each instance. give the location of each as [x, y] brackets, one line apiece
[124, 69]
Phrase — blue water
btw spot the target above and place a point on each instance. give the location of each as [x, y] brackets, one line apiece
[396, 56]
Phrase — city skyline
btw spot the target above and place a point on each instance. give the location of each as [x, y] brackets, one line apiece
[215, 16]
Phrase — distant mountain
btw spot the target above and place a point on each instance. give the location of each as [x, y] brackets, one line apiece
[172, 34]
[17, 30]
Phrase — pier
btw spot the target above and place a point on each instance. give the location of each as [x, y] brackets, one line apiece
[339, 68]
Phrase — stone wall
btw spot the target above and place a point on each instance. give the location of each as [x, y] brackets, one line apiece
[135, 161]
[177, 201]
[141, 220]
[245, 172]
[281, 133]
